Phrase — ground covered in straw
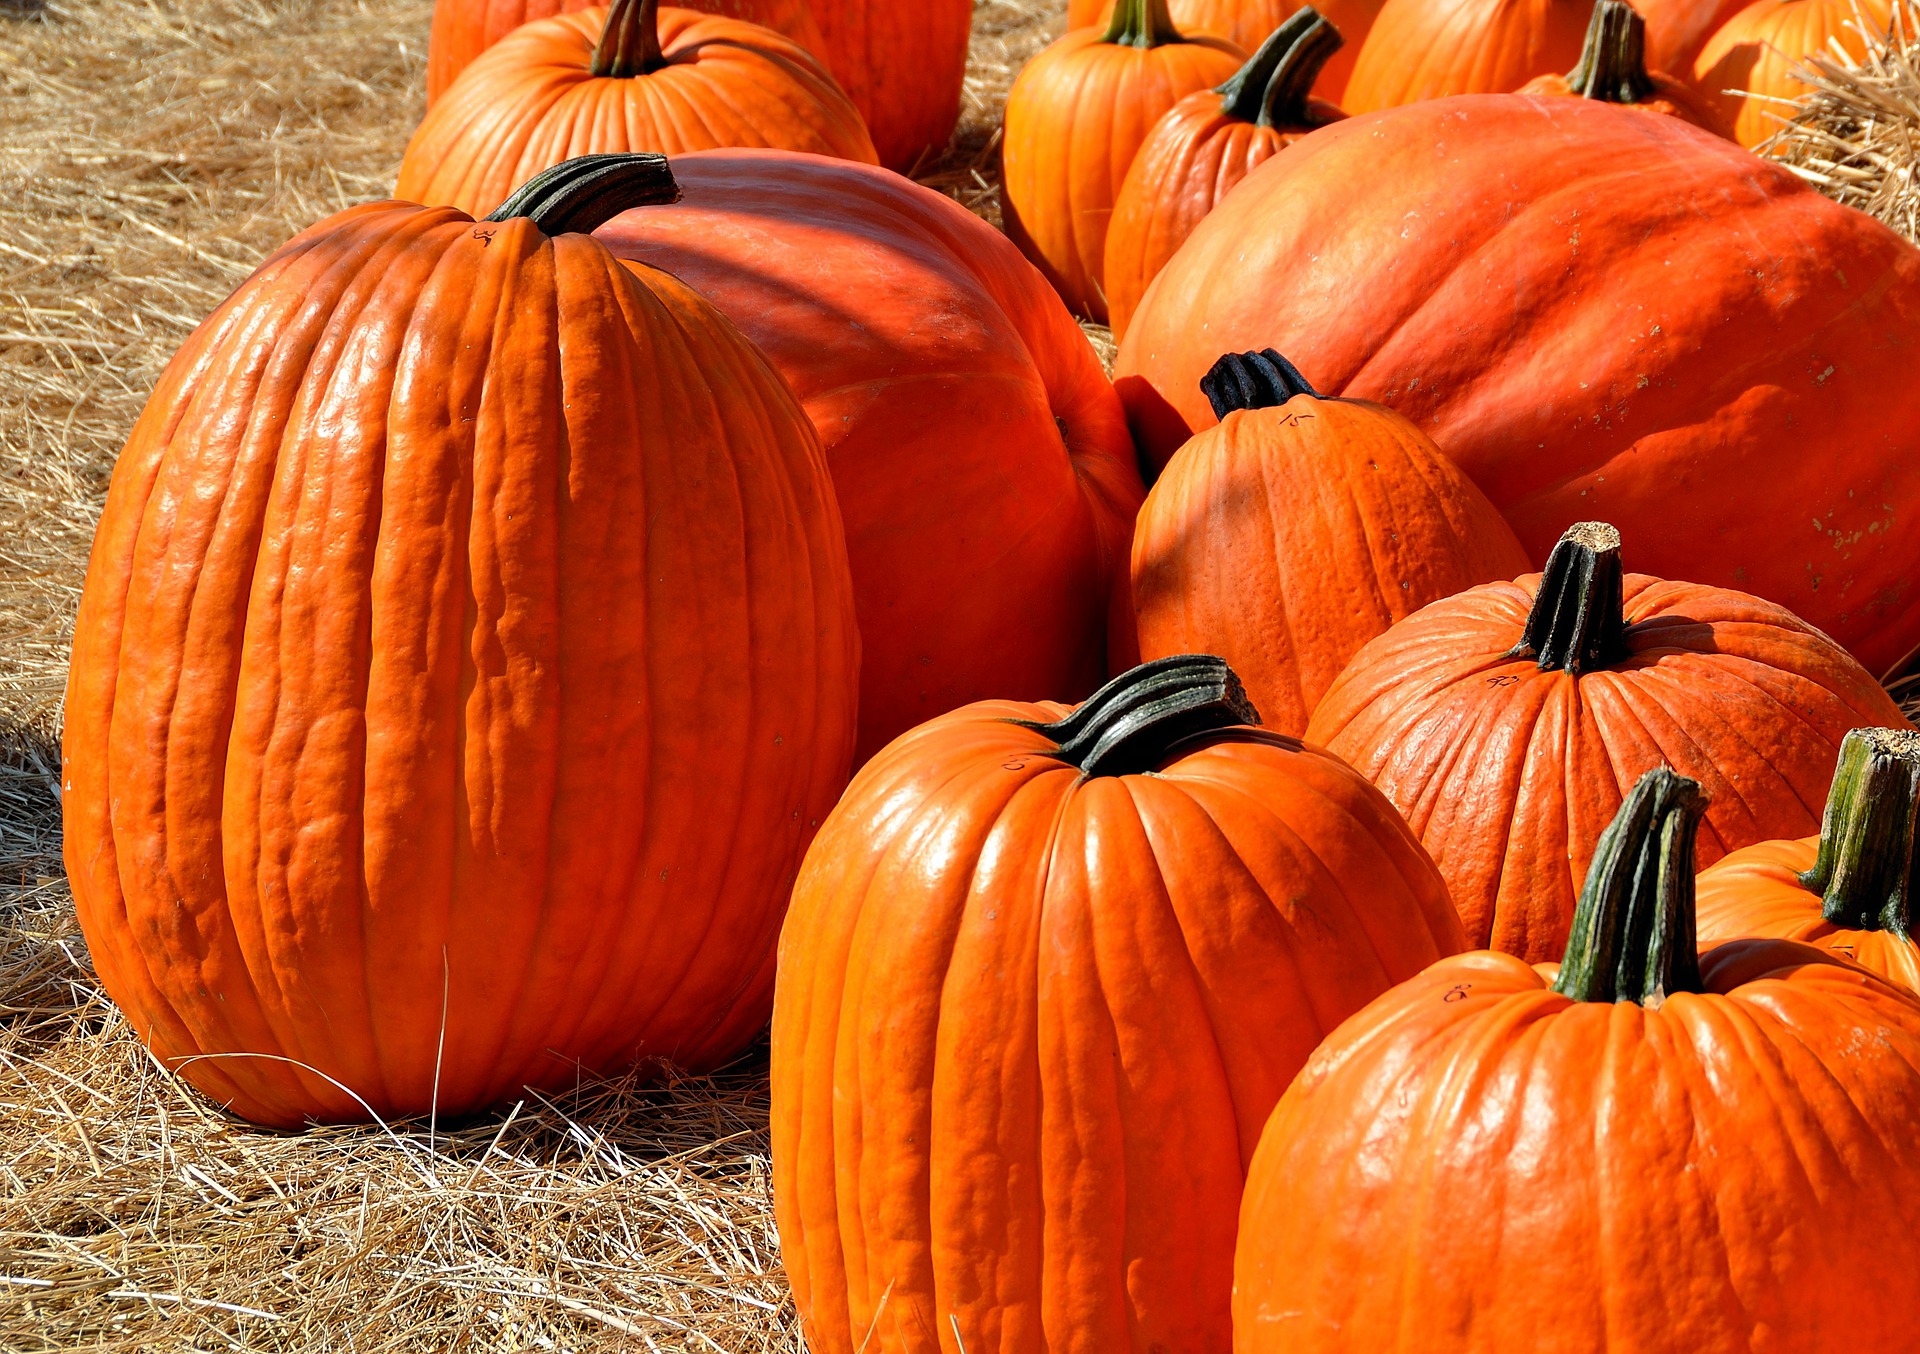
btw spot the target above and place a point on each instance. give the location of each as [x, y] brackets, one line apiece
[150, 156]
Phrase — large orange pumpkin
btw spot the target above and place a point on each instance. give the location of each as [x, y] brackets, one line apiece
[1075, 119]
[1250, 22]
[1850, 889]
[462, 29]
[1503, 271]
[1613, 68]
[1747, 67]
[1205, 145]
[633, 77]
[1504, 721]
[904, 63]
[1044, 976]
[466, 657]
[1641, 1150]
[1300, 528]
[981, 458]
[1428, 49]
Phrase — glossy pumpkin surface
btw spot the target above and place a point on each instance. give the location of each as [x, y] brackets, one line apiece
[1429, 49]
[1031, 1018]
[980, 457]
[903, 63]
[1502, 272]
[466, 656]
[1747, 66]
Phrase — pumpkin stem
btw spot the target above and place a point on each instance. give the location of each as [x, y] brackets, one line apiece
[1613, 63]
[1142, 23]
[1864, 871]
[580, 195]
[1271, 89]
[1130, 724]
[630, 42]
[1263, 380]
[1633, 935]
[1579, 620]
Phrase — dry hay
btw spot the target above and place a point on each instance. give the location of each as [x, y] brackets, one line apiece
[1856, 134]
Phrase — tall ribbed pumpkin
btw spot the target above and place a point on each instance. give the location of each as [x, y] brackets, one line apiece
[465, 660]
[1045, 974]
[904, 63]
[631, 77]
[1428, 49]
[1746, 68]
[1250, 22]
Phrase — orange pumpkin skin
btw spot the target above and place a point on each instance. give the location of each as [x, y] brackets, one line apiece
[462, 29]
[1501, 273]
[903, 65]
[1508, 769]
[1757, 892]
[1678, 29]
[534, 99]
[1757, 50]
[1076, 117]
[1029, 1022]
[1248, 22]
[431, 723]
[1613, 68]
[1429, 49]
[1287, 537]
[982, 463]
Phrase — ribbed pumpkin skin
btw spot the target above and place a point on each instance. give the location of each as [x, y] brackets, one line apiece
[1428, 49]
[1285, 539]
[532, 101]
[1758, 48]
[1501, 272]
[1670, 98]
[1076, 118]
[1756, 891]
[425, 680]
[462, 29]
[903, 62]
[1476, 1163]
[1248, 22]
[1029, 1024]
[980, 457]
[1678, 29]
[1509, 773]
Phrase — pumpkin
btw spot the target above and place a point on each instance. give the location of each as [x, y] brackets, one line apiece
[1076, 116]
[1044, 976]
[466, 656]
[1747, 67]
[1678, 29]
[1502, 272]
[1848, 890]
[1206, 144]
[904, 65]
[1428, 49]
[1300, 528]
[1503, 722]
[632, 77]
[1613, 68]
[980, 457]
[1250, 22]
[1638, 1150]
[462, 29]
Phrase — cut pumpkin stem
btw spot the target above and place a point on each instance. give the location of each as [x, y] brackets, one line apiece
[580, 195]
[630, 42]
[1613, 63]
[1263, 380]
[1578, 621]
[1133, 722]
[1142, 23]
[1864, 871]
[1633, 936]
[1272, 89]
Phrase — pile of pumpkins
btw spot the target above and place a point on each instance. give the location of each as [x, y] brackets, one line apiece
[668, 569]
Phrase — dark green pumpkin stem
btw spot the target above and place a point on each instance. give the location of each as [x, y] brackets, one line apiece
[1138, 23]
[1272, 89]
[1263, 380]
[1578, 621]
[630, 42]
[580, 195]
[1864, 872]
[1633, 931]
[1130, 724]
[1613, 64]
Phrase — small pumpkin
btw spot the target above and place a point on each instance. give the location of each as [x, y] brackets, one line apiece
[1638, 1150]
[1850, 889]
[1746, 68]
[632, 77]
[1205, 145]
[1076, 117]
[462, 29]
[1300, 528]
[1045, 974]
[1428, 49]
[1613, 69]
[1249, 22]
[1503, 722]
[903, 63]
[466, 655]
